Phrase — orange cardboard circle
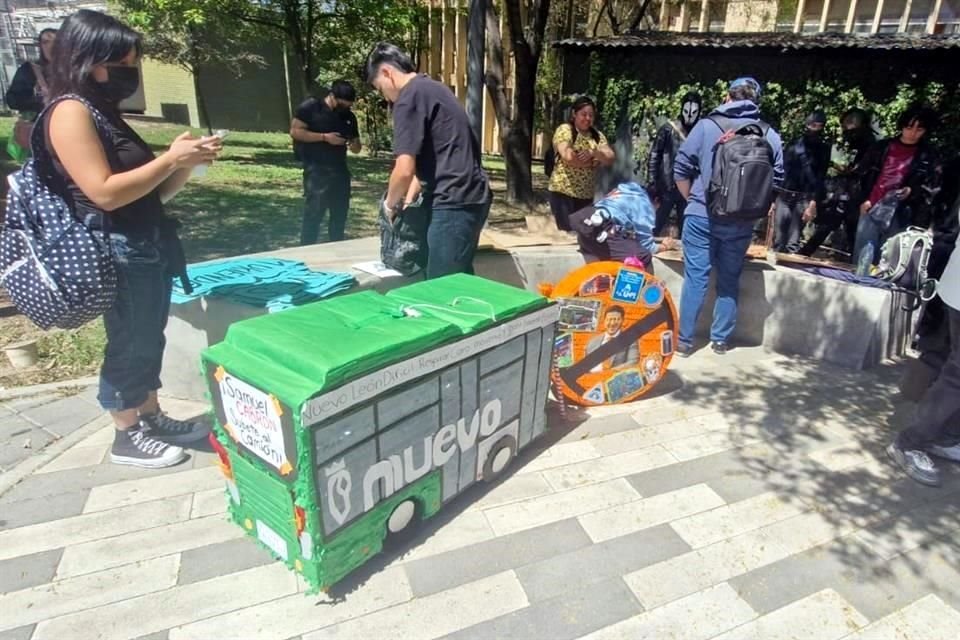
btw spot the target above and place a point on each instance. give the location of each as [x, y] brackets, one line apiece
[616, 334]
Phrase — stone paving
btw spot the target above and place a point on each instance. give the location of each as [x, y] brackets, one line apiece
[749, 498]
[29, 424]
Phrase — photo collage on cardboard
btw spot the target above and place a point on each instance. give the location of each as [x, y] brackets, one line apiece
[600, 303]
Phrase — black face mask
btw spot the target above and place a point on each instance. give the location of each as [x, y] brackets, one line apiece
[852, 137]
[122, 82]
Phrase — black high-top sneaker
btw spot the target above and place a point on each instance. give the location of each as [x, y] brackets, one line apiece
[172, 431]
[134, 447]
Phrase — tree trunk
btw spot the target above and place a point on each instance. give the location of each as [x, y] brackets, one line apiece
[519, 174]
[197, 85]
[493, 79]
[299, 29]
[201, 102]
[520, 138]
[516, 133]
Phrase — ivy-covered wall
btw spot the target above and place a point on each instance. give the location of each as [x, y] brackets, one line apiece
[645, 85]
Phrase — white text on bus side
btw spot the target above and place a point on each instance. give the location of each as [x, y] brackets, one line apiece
[400, 470]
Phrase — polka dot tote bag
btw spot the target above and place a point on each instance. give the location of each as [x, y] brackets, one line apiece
[57, 271]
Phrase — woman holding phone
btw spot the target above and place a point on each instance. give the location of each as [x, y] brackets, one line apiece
[117, 185]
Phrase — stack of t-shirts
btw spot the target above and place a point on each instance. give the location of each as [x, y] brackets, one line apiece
[269, 283]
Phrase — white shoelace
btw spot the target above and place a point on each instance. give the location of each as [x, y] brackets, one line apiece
[922, 460]
[147, 444]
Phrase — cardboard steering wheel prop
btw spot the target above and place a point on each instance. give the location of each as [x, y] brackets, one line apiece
[616, 334]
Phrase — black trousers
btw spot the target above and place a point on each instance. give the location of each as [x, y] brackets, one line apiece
[669, 201]
[563, 206]
[831, 218]
[324, 189]
[939, 410]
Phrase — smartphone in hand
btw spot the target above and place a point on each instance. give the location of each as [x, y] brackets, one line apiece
[200, 170]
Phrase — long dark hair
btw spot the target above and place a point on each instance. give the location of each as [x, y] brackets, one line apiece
[87, 39]
[42, 60]
[580, 103]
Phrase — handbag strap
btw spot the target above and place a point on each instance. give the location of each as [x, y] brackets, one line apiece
[38, 141]
[44, 158]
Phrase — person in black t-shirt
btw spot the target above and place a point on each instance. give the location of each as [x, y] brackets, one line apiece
[26, 92]
[322, 131]
[433, 143]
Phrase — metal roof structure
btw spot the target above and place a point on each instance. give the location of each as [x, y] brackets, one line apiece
[780, 41]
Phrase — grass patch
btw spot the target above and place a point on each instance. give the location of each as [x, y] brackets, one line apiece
[63, 355]
[75, 353]
[250, 201]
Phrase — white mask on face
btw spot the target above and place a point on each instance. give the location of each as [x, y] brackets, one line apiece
[690, 113]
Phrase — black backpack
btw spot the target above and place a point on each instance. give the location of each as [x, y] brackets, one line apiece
[741, 187]
[550, 158]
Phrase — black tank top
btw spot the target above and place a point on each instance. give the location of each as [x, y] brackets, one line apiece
[127, 151]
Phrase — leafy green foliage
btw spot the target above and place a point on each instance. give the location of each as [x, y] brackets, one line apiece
[345, 40]
[329, 39]
[190, 33]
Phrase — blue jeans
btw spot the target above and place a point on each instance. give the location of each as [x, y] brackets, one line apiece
[869, 232]
[452, 238]
[709, 243]
[135, 323]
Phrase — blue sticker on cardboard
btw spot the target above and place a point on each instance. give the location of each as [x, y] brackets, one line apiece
[595, 394]
[653, 295]
[628, 285]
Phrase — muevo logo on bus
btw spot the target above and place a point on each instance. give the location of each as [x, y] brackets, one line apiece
[399, 470]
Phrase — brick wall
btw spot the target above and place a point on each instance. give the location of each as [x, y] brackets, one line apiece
[256, 101]
[169, 93]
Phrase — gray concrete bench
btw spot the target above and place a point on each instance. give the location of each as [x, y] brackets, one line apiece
[783, 309]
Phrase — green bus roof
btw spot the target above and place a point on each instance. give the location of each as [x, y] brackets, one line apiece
[470, 303]
[298, 353]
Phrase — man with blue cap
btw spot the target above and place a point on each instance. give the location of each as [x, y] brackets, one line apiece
[711, 237]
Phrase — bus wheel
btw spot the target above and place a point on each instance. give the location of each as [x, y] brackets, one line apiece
[402, 516]
[499, 458]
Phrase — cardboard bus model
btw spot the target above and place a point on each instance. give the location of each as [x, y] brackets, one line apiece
[343, 421]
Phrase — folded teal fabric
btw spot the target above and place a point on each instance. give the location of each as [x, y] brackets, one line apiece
[270, 283]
